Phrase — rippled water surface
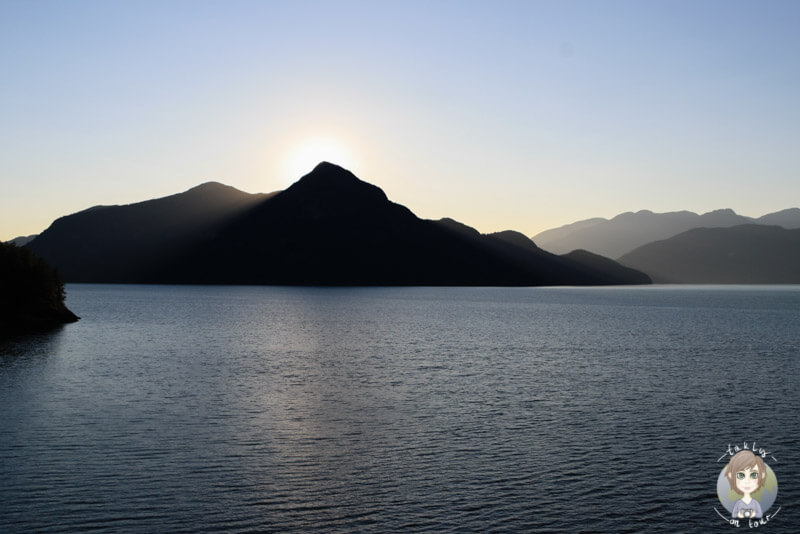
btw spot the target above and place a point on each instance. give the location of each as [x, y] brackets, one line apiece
[262, 409]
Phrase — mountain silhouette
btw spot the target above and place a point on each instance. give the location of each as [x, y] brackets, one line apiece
[627, 231]
[329, 228]
[22, 240]
[745, 254]
[130, 243]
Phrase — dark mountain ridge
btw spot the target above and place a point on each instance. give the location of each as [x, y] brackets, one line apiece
[126, 243]
[329, 228]
[22, 240]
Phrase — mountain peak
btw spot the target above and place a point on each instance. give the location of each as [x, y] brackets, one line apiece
[335, 183]
[330, 172]
[721, 211]
[327, 165]
[211, 188]
[207, 185]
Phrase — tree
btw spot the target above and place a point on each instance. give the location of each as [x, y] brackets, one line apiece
[31, 291]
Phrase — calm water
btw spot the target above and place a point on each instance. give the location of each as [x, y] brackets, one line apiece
[260, 409]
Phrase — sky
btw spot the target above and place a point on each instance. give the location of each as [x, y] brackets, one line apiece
[503, 115]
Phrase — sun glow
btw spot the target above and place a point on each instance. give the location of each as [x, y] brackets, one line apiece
[306, 155]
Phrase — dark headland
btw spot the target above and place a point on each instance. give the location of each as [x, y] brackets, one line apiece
[31, 293]
[329, 228]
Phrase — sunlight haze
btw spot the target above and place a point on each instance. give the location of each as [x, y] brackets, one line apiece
[501, 115]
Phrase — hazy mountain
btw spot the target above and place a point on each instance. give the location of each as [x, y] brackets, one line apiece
[623, 233]
[746, 254]
[129, 243]
[786, 218]
[21, 241]
[329, 228]
[551, 239]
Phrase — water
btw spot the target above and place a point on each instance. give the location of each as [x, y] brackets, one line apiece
[262, 409]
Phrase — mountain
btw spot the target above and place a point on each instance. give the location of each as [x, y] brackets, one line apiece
[745, 254]
[23, 240]
[610, 268]
[625, 232]
[31, 293]
[329, 228]
[128, 243]
[551, 239]
[607, 268]
[786, 218]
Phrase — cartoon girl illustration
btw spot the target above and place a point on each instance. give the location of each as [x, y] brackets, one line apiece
[746, 474]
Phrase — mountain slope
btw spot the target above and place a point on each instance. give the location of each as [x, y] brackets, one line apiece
[22, 240]
[606, 270]
[611, 269]
[551, 239]
[745, 254]
[329, 228]
[126, 243]
[786, 218]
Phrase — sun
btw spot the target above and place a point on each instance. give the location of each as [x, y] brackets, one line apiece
[310, 152]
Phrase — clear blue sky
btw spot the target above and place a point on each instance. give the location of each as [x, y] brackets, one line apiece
[503, 115]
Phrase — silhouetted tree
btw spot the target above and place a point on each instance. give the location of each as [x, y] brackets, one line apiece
[31, 291]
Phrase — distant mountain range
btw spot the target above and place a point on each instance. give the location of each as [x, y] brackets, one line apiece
[329, 228]
[745, 254]
[625, 232]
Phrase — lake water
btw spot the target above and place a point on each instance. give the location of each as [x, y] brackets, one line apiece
[269, 409]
